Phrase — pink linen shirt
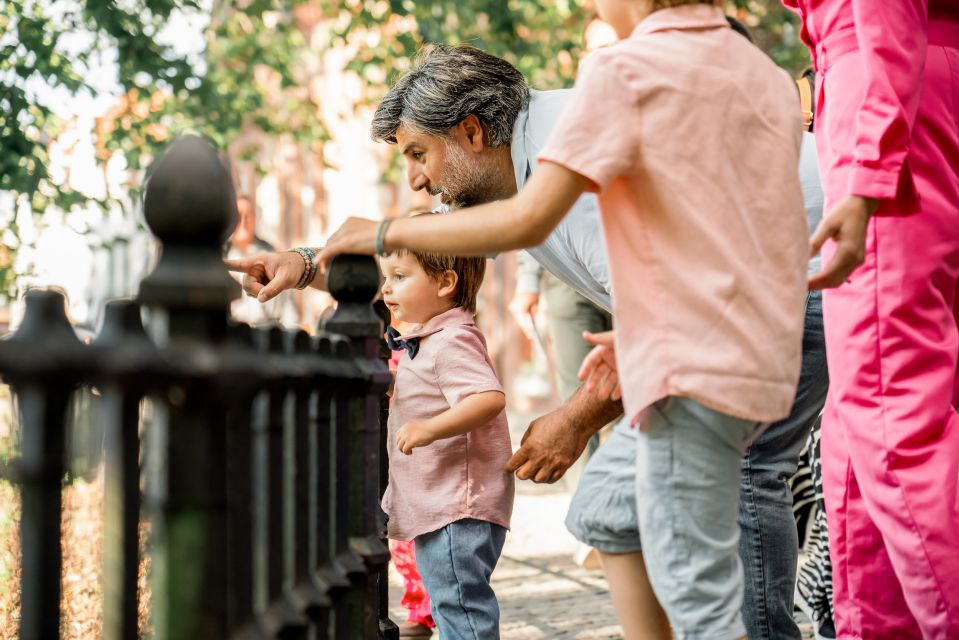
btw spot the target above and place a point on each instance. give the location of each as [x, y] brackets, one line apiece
[691, 136]
[454, 478]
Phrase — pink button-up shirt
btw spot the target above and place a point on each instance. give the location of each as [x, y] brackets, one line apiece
[454, 478]
[891, 37]
[691, 136]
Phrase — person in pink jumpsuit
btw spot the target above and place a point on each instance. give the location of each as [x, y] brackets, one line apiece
[887, 127]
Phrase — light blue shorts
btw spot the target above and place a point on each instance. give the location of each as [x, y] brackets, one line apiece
[676, 487]
[602, 513]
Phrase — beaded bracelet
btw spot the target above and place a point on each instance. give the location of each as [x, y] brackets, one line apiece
[381, 236]
[309, 266]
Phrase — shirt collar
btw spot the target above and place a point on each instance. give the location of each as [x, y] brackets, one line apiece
[687, 16]
[454, 317]
[517, 147]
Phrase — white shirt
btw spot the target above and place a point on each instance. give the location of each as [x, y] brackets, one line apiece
[574, 252]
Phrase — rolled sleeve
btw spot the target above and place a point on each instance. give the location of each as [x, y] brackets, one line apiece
[892, 37]
[462, 367]
[597, 135]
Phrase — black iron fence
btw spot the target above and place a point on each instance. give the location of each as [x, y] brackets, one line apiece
[261, 470]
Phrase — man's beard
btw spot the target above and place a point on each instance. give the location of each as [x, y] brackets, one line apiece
[468, 183]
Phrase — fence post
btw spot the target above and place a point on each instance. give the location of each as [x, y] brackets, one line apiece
[190, 206]
[307, 590]
[354, 282]
[333, 562]
[48, 353]
[124, 344]
[239, 454]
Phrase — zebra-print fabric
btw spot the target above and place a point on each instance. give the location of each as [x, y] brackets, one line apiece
[814, 585]
[804, 495]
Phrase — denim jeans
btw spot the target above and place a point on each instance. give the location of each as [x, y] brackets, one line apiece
[603, 509]
[768, 543]
[456, 563]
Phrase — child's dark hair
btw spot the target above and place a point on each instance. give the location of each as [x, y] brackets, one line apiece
[469, 271]
[739, 27]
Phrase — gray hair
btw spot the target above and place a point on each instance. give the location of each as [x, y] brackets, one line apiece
[448, 83]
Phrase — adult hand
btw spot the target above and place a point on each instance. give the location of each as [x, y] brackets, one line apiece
[412, 435]
[549, 447]
[598, 370]
[523, 307]
[356, 235]
[846, 223]
[267, 274]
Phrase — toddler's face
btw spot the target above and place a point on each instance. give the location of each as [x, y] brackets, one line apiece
[409, 292]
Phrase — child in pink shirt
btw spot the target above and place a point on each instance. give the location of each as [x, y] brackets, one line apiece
[448, 440]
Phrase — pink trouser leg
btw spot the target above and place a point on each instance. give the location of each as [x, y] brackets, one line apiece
[890, 440]
[863, 588]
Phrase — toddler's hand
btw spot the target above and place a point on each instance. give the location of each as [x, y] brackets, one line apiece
[599, 367]
[412, 435]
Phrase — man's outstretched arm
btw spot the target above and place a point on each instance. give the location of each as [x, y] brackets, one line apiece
[553, 442]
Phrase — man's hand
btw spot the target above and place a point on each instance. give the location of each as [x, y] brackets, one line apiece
[356, 235]
[412, 435]
[598, 370]
[846, 223]
[267, 274]
[549, 447]
[523, 307]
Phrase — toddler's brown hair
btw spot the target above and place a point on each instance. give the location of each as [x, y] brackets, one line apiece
[470, 270]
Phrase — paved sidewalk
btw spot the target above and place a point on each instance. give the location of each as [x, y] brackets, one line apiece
[542, 593]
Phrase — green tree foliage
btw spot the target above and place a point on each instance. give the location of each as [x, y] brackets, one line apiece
[256, 66]
[246, 74]
[776, 31]
[543, 39]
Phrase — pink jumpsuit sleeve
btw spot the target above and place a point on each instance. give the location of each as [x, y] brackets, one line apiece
[892, 41]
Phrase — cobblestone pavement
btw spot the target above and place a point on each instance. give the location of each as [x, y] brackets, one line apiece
[543, 594]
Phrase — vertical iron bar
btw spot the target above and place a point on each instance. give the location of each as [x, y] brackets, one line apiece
[279, 620]
[328, 487]
[41, 469]
[190, 206]
[239, 466]
[43, 396]
[347, 501]
[123, 338]
[388, 629]
[307, 591]
[354, 281]
[121, 514]
[273, 440]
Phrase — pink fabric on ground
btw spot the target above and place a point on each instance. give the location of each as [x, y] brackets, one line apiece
[887, 127]
[415, 599]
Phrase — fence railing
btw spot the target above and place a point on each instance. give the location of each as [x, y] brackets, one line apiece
[261, 469]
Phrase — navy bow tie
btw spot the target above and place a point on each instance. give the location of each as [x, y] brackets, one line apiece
[412, 345]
